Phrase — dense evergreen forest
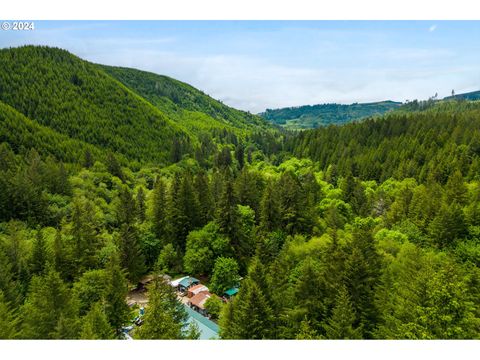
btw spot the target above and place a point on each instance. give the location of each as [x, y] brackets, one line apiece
[363, 231]
[314, 116]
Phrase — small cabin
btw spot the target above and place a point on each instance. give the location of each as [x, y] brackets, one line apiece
[197, 302]
[194, 290]
[183, 284]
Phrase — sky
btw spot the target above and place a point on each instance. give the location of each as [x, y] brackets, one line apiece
[255, 65]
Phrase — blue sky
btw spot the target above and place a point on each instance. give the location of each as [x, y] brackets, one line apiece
[254, 65]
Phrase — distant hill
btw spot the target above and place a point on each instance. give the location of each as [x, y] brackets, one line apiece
[183, 102]
[474, 95]
[314, 116]
[141, 116]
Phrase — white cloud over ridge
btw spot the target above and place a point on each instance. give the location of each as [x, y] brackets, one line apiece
[254, 71]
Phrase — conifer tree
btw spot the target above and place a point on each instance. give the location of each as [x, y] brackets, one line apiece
[306, 332]
[340, 325]
[8, 286]
[132, 257]
[361, 277]
[205, 199]
[294, 212]
[240, 156]
[39, 254]
[226, 212]
[114, 167]
[270, 209]
[115, 308]
[455, 190]
[165, 316]
[95, 325]
[184, 210]
[47, 302]
[448, 226]
[88, 160]
[252, 316]
[140, 205]
[8, 320]
[249, 188]
[159, 209]
[85, 234]
[60, 259]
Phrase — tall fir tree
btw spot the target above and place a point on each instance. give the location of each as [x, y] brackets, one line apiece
[160, 209]
[270, 209]
[165, 316]
[39, 254]
[341, 324]
[116, 308]
[48, 302]
[226, 212]
[95, 325]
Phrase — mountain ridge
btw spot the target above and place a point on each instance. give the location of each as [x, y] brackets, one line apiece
[95, 104]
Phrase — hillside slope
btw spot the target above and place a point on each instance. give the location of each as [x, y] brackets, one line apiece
[142, 116]
[474, 95]
[75, 98]
[313, 116]
[183, 102]
[427, 144]
[20, 132]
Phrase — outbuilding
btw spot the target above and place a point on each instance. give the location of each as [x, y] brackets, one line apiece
[194, 290]
[187, 282]
[197, 302]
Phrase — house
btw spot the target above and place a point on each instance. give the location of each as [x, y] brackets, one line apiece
[194, 290]
[197, 302]
[176, 282]
[185, 283]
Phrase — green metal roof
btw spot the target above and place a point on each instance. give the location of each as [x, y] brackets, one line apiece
[231, 292]
[188, 281]
[208, 329]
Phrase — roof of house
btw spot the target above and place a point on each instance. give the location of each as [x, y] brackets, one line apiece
[231, 292]
[198, 288]
[175, 283]
[188, 281]
[199, 299]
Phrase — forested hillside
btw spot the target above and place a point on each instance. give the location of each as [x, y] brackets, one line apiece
[369, 230]
[83, 102]
[474, 95]
[429, 144]
[183, 102]
[314, 116]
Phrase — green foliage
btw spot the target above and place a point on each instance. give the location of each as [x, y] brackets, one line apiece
[429, 144]
[165, 316]
[95, 325]
[249, 316]
[340, 325]
[313, 116]
[214, 306]
[225, 275]
[373, 232]
[48, 301]
[203, 247]
[78, 99]
[8, 320]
